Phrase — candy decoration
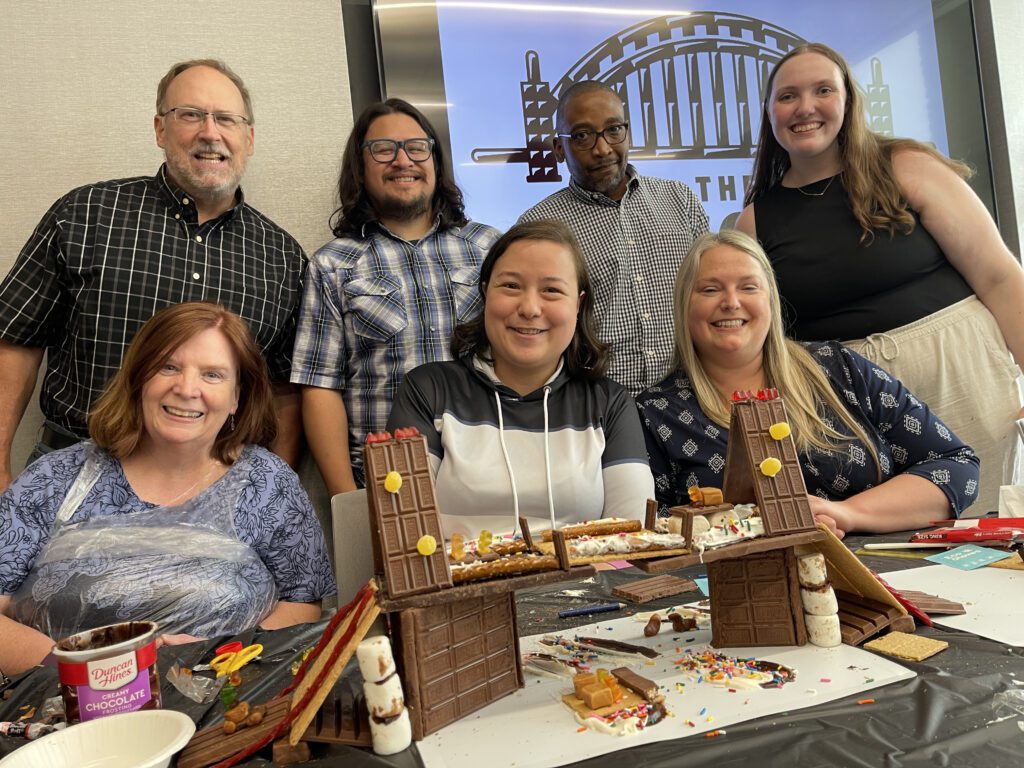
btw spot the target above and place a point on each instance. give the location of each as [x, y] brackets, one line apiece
[770, 467]
[483, 544]
[458, 548]
[392, 482]
[779, 430]
[426, 545]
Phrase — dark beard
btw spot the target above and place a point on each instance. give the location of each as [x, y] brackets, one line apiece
[391, 208]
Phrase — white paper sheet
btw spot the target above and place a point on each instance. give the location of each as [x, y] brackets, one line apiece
[991, 596]
[532, 728]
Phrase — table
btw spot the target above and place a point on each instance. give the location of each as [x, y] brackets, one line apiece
[943, 716]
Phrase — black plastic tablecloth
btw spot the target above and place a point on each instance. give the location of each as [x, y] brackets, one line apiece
[942, 717]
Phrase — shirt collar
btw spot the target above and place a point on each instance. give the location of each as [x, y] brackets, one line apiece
[597, 198]
[367, 229]
[182, 202]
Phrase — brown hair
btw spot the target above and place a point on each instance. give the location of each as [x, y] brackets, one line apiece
[356, 210]
[865, 156]
[220, 66]
[586, 356]
[116, 423]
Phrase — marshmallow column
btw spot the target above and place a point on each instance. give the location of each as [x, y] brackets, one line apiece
[821, 610]
[390, 727]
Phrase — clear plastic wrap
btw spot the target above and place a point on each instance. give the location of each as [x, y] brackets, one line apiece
[181, 566]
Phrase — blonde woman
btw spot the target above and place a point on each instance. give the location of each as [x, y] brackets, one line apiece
[880, 241]
[873, 456]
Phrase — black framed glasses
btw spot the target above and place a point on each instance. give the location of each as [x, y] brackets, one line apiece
[193, 117]
[586, 138]
[386, 150]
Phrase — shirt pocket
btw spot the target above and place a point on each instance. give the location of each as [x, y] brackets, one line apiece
[465, 292]
[376, 308]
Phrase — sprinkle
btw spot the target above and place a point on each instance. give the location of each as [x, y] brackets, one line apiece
[732, 690]
[866, 701]
[690, 723]
[702, 710]
[871, 679]
[825, 680]
[582, 729]
[714, 733]
[709, 719]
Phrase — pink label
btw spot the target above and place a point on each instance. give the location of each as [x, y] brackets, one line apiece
[93, 704]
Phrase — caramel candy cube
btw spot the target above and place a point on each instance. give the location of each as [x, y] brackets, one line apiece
[583, 680]
[597, 696]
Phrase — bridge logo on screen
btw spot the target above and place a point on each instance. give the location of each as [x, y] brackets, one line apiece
[691, 84]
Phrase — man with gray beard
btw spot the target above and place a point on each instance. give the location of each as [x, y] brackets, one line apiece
[386, 294]
[106, 256]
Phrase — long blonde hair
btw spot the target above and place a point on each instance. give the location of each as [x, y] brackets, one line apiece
[788, 366]
[865, 157]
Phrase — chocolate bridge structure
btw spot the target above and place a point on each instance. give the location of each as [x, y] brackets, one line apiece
[692, 87]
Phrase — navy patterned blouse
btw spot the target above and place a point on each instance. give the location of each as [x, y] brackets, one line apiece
[686, 448]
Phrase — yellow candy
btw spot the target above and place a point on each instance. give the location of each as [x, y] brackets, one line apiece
[458, 548]
[392, 482]
[426, 545]
[483, 544]
[770, 467]
[779, 430]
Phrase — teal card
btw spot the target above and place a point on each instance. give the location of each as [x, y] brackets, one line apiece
[970, 556]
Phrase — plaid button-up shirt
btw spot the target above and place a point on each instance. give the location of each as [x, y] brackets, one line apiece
[106, 256]
[377, 307]
[633, 249]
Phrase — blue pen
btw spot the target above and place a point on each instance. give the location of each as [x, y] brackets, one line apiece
[602, 608]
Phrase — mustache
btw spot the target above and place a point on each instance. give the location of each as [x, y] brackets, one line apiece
[213, 147]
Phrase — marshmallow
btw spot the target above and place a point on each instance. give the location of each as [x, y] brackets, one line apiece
[384, 698]
[819, 602]
[376, 661]
[823, 631]
[811, 571]
[391, 736]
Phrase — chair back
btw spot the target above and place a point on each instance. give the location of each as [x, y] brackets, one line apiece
[353, 553]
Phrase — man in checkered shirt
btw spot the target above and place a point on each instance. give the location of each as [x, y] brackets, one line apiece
[106, 256]
[634, 231]
[385, 295]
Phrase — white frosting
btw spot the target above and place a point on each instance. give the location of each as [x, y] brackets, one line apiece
[734, 529]
[624, 543]
[625, 726]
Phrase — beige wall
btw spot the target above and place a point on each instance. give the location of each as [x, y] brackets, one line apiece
[77, 91]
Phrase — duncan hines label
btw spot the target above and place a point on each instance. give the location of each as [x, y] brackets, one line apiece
[114, 673]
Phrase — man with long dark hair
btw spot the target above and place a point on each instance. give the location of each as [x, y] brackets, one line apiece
[385, 295]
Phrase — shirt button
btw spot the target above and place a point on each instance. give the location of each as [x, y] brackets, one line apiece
[638, 278]
[184, 201]
[647, 315]
[631, 242]
[433, 328]
[649, 353]
[199, 238]
[195, 275]
[177, 215]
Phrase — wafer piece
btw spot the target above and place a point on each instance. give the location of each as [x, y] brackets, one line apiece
[636, 683]
[940, 606]
[910, 647]
[645, 590]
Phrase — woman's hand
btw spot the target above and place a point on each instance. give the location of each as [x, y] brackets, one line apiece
[834, 514]
[177, 640]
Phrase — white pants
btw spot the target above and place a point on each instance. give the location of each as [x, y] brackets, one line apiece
[957, 362]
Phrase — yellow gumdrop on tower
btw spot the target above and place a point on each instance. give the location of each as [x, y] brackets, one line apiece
[770, 467]
[392, 482]
[426, 545]
[779, 430]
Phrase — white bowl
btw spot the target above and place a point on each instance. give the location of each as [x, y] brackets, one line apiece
[131, 740]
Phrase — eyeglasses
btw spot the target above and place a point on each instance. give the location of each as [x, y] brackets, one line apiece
[194, 117]
[386, 150]
[586, 139]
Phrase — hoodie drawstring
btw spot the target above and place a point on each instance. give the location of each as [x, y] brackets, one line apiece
[512, 474]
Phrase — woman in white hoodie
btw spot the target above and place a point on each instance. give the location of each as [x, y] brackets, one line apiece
[523, 421]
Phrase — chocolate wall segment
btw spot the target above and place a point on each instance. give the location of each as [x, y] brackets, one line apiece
[398, 520]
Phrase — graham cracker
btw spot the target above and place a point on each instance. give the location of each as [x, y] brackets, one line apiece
[904, 646]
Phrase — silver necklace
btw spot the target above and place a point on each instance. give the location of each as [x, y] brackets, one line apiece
[816, 194]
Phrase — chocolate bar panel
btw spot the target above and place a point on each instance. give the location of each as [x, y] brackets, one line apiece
[645, 590]
[861, 618]
[932, 604]
[753, 601]
[341, 719]
[211, 745]
[398, 520]
[457, 658]
[782, 499]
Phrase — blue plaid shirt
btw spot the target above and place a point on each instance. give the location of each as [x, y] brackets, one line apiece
[378, 306]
